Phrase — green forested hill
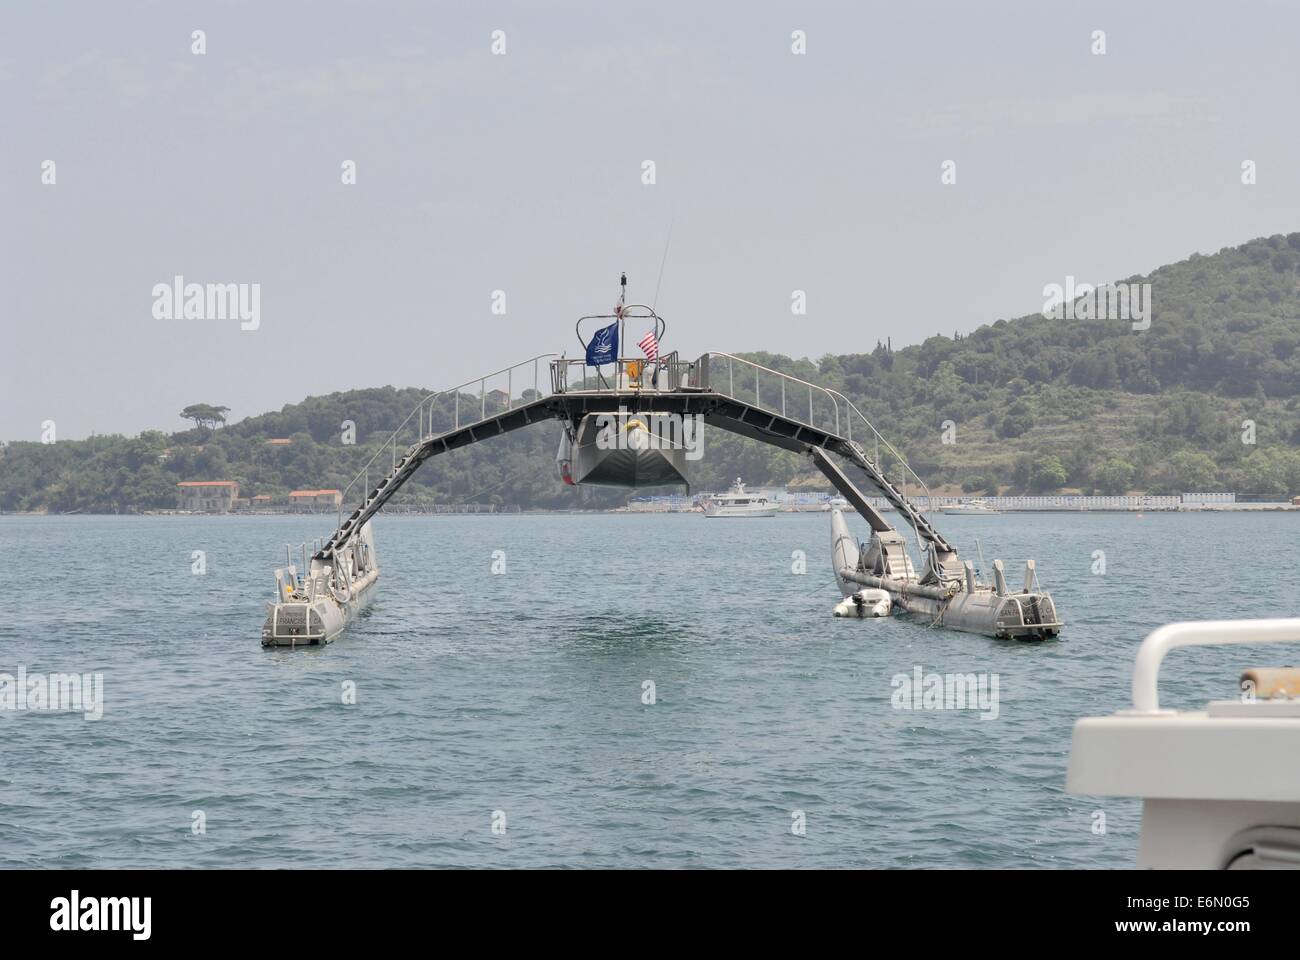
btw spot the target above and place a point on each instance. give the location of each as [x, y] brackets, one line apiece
[1035, 405]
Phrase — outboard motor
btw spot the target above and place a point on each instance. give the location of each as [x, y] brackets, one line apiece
[564, 458]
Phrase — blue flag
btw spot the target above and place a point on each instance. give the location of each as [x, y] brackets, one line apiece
[604, 346]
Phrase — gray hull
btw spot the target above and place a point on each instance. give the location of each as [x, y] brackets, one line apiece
[627, 450]
[941, 596]
[317, 605]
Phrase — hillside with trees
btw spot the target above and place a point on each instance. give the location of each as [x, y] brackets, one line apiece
[1030, 405]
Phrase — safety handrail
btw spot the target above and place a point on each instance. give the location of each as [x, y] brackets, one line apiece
[1146, 666]
[929, 498]
[645, 378]
[844, 413]
[785, 377]
[836, 399]
[849, 404]
[390, 444]
[843, 425]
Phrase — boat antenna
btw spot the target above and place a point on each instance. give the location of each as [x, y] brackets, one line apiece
[655, 303]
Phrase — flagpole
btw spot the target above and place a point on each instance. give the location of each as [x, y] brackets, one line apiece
[622, 326]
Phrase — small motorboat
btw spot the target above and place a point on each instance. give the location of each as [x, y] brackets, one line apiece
[864, 604]
[970, 508]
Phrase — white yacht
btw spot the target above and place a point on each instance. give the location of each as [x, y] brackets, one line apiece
[737, 503]
[819, 506]
[970, 508]
[1220, 787]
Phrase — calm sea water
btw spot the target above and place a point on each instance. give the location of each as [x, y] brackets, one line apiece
[521, 693]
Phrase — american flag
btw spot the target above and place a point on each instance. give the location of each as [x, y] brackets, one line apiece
[649, 345]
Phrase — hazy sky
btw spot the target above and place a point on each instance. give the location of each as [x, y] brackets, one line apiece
[523, 173]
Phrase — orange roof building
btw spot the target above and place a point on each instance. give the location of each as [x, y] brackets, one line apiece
[316, 499]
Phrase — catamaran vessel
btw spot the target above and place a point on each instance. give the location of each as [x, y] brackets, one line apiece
[634, 422]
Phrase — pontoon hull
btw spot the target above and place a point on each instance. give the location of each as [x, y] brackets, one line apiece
[991, 610]
[317, 606]
[315, 624]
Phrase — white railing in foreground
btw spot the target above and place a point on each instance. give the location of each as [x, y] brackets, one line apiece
[1146, 668]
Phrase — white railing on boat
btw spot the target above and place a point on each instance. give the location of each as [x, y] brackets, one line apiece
[432, 417]
[785, 393]
[1146, 667]
[575, 375]
[799, 400]
[825, 409]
